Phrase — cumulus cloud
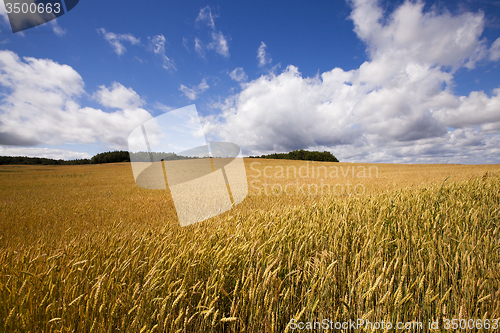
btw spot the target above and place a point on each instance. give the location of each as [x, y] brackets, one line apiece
[398, 106]
[238, 75]
[158, 46]
[39, 105]
[262, 56]
[192, 93]
[477, 109]
[218, 42]
[412, 35]
[116, 40]
[118, 97]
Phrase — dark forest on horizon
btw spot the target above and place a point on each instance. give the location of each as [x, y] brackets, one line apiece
[118, 156]
[302, 155]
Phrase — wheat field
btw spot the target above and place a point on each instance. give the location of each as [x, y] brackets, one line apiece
[83, 249]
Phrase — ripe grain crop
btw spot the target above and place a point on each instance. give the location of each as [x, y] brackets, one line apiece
[83, 249]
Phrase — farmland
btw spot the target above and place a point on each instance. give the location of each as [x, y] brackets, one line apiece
[83, 249]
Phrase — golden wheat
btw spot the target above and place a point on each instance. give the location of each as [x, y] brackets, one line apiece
[82, 249]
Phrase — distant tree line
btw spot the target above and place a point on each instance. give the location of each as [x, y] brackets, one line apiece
[111, 157]
[107, 157]
[303, 155]
[143, 156]
[39, 161]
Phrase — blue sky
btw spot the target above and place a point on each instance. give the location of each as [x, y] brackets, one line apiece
[370, 81]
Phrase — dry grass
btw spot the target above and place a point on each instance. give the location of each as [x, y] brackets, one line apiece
[82, 249]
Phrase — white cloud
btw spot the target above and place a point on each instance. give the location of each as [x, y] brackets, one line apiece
[219, 44]
[477, 109]
[238, 75]
[58, 30]
[118, 97]
[412, 35]
[185, 43]
[192, 93]
[40, 105]
[198, 47]
[205, 16]
[396, 107]
[495, 50]
[158, 46]
[262, 56]
[115, 40]
[163, 107]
